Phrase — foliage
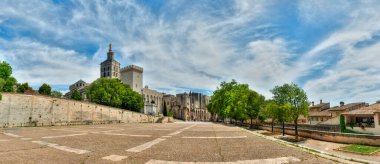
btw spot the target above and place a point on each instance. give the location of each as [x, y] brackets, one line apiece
[76, 95]
[5, 70]
[278, 113]
[170, 114]
[165, 112]
[342, 123]
[236, 101]
[23, 88]
[56, 94]
[112, 92]
[294, 96]
[2, 83]
[45, 89]
[360, 149]
[1, 96]
[9, 85]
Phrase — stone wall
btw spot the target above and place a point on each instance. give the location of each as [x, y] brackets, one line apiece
[32, 110]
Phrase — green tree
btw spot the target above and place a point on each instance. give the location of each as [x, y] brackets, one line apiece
[45, 89]
[112, 92]
[255, 103]
[221, 102]
[342, 123]
[23, 88]
[297, 99]
[9, 85]
[2, 83]
[165, 112]
[56, 94]
[5, 70]
[76, 95]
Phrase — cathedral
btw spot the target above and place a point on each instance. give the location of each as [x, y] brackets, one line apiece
[188, 107]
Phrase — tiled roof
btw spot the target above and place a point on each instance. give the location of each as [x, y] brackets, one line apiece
[319, 105]
[369, 110]
[320, 114]
[345, 107]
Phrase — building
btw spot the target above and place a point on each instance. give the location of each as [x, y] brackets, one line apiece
[133, 76]
[80, 86]
[152, 101]
[110, 68]
[365, 119]
[319, 113]
[338, 110]
[188, 106]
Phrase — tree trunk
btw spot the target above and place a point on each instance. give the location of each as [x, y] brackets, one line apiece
[251, 124]
[272, 125]
[296, 129]
[283, 128]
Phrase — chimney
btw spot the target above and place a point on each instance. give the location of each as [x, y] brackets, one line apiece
[320, 101]
[341, 103]
[312, 103]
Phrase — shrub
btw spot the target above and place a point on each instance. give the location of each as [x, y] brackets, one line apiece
[45, 89]
[170, 114]
[1, 96]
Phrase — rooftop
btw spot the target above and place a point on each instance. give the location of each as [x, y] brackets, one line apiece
[369, 110]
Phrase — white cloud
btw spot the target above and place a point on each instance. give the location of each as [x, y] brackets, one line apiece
[39, 63]
[356, 75]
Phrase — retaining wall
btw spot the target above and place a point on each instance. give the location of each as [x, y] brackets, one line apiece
[332, 136]
[34, 110]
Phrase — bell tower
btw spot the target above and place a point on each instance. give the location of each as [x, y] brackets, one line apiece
[110, 68]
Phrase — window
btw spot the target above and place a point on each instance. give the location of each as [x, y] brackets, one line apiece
[108, 68]
[104, 74]
[108, 73]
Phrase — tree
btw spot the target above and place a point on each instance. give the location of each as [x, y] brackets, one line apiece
[23, 88]
[5, 70]
[112, 92]
[2, 83]
[9, 85]
[76, 95]
[254, 104]
[342, 123]
[45, 89]
[1, 96]
[296, 98]
[56, 94]
[165, 112]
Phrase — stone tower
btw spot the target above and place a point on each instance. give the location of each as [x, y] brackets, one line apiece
[110, 68]
[133, 76]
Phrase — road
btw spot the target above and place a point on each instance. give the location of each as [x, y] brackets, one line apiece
[144, 143]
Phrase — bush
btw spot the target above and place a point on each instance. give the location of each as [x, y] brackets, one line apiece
[56, 94]
[1, 96]
[76, 95]
[170, 114]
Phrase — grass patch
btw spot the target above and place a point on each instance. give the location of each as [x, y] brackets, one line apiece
[360, 149]
[354, 132]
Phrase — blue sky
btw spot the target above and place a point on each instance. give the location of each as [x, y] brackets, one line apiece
[329, 48]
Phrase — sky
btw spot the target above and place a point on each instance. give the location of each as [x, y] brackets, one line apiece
[329, 48]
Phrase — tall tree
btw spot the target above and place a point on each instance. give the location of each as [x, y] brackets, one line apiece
[76, 95]
[255, 102]
[165, 110]
[23, 88]
[45, 89]
[297, 99]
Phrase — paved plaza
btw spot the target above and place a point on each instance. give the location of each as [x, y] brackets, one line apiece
[144, 143]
